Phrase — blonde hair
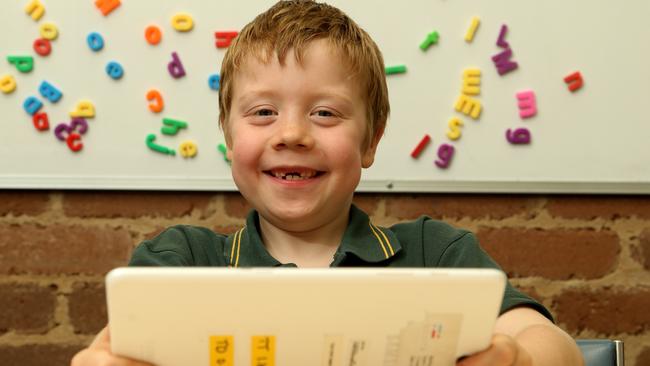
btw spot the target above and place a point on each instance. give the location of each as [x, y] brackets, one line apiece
[292, 25]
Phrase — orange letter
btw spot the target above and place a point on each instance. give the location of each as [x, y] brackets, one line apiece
[158, 104]
[153, 35]
[107, 6]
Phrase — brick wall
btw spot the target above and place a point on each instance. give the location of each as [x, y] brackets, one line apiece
[587, 258]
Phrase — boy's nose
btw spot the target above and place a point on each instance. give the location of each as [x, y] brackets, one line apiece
[293, 133]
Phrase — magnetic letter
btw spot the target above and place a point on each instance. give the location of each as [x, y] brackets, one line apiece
[213, 82]
[421, 145]
[574, 81]
[42, 47]
[454, 131]
[224, 38]
[157, 104]
[172, 126]
[469, 36]
[445, 153]
[527, 104]
[503, 63]
[471, 81]
[107, 6]
[71, 142]
[32, 105]
[175, 67]
[182, 22]
[114, 70]
[151, 138]
[153, 35]
[50, 92]
[432, 38]
[41, 121]
[35, 9]
[95, 41]
[84, 109]
[7, 84]
[49, 31]
[518, 136]
[24, 64]
[188, 149]
[468, 106]
[501, 41]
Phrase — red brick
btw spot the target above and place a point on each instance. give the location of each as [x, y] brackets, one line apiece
[458, 206]
[367, 202]
[643, 359]
[152, 234]
[23, 202]
[38, 355]
[607, 207]
[643, 253]
[226, 230]
[27, 308]
[61, 249]
[554, 254]
[87, 307]
[236, 205]
[134, 204]
[605, 310]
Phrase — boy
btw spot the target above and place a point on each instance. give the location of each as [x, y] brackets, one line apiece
[303, 105]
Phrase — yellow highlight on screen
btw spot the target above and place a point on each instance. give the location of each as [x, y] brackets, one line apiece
[263, 351]
[222, 350]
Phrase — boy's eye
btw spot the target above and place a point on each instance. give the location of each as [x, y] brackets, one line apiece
[264, 112]
[324, 113]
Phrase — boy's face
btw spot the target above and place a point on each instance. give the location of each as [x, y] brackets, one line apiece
[296, 133]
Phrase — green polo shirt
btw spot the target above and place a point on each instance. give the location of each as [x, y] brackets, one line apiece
[420, 243]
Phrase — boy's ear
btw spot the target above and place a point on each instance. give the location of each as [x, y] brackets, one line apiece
[228, 146]
[369, 155]
[226, 135]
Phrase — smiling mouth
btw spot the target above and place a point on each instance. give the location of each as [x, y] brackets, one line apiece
[298, 174]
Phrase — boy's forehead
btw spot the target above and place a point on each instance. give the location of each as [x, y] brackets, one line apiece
[267, 55]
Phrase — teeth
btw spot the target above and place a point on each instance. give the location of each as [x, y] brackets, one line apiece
[295, 175]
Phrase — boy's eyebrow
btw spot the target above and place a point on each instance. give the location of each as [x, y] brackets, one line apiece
[268, 93]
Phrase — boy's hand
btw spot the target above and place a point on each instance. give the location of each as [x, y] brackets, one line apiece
[503, 351]
[99, 354]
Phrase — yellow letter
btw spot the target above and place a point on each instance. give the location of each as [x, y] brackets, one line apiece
[471, 81]
[182, 22]
[7, 84]
[84, 109]
[468, 106]
[49, 31]
[35, 9]
[454, 128]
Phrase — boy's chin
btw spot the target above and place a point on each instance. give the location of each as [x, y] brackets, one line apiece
[296, 219]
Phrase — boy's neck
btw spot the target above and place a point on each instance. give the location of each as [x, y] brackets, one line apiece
[312, 248]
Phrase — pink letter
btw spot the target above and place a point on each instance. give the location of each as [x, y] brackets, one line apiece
[527, 104]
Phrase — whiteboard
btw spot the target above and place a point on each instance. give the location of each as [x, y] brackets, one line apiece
[594, 140]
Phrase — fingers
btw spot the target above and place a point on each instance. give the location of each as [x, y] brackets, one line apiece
[93, 357]
[503, 351]
[102, 340]
[99, 354]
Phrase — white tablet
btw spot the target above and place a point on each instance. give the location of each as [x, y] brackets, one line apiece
[302, 317]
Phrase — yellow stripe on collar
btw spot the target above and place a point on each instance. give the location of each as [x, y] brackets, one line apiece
[390, 246]
[379, 239]
[236, 240]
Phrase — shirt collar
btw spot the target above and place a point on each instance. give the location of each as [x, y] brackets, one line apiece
[366, 240]
[361, 238]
